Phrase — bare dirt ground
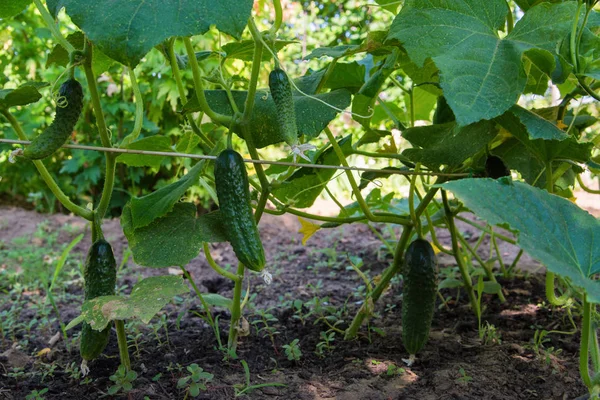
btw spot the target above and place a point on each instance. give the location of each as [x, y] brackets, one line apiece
[455, 364]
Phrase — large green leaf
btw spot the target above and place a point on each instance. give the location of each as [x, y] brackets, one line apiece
[312, 116]
[126, 30]
[244, 50]
[25, 94]
[481, 74]
[10, 8]
[565, 238]
[152, 143]
[447, 144]
[147, 208]
[349, 76]
[174, 239]
[304, 186]
[542, 138]
[147, 298]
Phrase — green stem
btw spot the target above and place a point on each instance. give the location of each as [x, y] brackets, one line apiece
[411, 204]
[336, 220]
[326, 76]
[584, 187]
[551, 295]
[497, 250]
[482, 264]
[52, 26]
[278, 17]
[388, 274]
[110, 158]
[515, 261]
[355, 190]
[573, 38]
[139, 110]
[584, 344]
[50, 182]
[199, 87]
[181, 90]
[509, 20]
[236, 311]
[211, 321]
[588, 89]
[216, 267]
[457, 253]
[256, 66]
[486, 230]
[395, 156]
[594, 348]
[122, 340]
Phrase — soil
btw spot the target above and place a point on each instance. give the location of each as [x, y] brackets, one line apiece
[455, 363]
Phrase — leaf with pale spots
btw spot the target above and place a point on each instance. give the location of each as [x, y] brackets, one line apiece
[147, 298]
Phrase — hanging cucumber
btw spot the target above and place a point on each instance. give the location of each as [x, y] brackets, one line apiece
[68, 110]
[100, 275]
[281, 90]
[231, 180]
[420, 289]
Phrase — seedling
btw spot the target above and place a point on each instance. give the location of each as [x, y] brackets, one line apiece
[195, 381]
[292, 350]
[123, 380]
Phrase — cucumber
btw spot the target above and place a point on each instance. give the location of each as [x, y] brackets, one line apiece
[100, 275]
[420, 289]
[67, 115]
[231, 181]
[281, 91]
[495, 167]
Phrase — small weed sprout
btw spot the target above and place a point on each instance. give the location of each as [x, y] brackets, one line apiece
[194, 382]
[36, 395]
[292, 350]
[123, 380]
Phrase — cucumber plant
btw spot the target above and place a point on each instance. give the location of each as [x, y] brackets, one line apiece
[435, 73]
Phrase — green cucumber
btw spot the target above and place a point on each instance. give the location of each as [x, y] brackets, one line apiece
[231, 181]
[281, 91]
[67, 115]
[100, 275]
[420, 290]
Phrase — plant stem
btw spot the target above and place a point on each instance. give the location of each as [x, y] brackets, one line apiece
[52, 26]
[497, 250]
[122, 340]
[236, 311]
[256, 65]
[457, 253]
[584, 187]
[111, 158]
[488, 271]
[215, 266]
[388, 274]
[411, 204]
[355, 190]
[551, 295]
[181, 90]
[573, 39]
[139, 110]
[585, 343]
[50, 182]
[486, 230]
[278, 17]
[187, 276]
[199, 87]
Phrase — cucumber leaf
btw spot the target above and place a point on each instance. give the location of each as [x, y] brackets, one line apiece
[174, 239]
[25, 94]
[553, 230]
[312, 115]
[147, 298]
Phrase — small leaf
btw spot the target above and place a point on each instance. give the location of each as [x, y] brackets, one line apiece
[147, 298]
[215, 299]
[25, 94]
[244, 50]
[308, 229]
